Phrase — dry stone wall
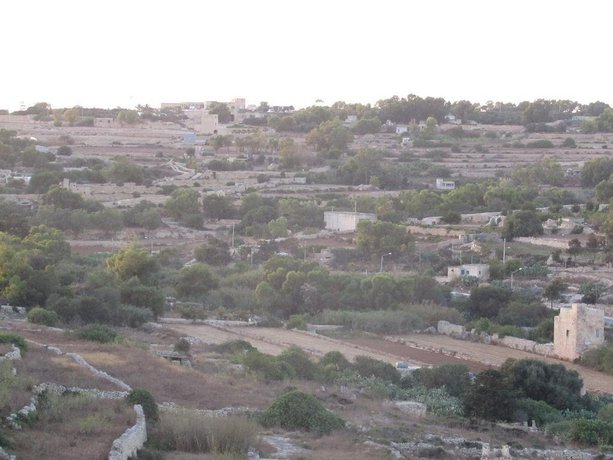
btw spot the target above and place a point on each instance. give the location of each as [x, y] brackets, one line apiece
[132, 439]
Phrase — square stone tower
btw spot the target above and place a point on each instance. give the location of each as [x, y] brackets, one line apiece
[576, 330]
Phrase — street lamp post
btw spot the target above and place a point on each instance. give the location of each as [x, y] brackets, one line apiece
[512, 273]
[384, 255]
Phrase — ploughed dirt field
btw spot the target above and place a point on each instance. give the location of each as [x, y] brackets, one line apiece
[416, 349]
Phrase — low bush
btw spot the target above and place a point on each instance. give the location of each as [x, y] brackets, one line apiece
[234, 347]
[147, 401]
[17, 340]
[191, 431]
[369, 367]
[182, 345]
[41, 316]
[600, 358]
[540, 144]
[296, 322]
[96, 333]
[268, 367]
[300, 411]
[592, 432]
[298, 359]
[539, 411]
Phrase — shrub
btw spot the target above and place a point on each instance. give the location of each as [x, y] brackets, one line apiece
[592, 432]
[96, 333]
[539, 411]
[267, 367]
[129, 315]
[606, 413]
[191, 312]
[369, 367]
[41, 316]
[182, 345]
[234, 347]
[300, 362]
[453, 377]
[297, 410]
[146, 400]
[540, 144]
[17, 340]
[64, 150]
[600, 358]
[297, 322]
[190, 431]
[336, 359]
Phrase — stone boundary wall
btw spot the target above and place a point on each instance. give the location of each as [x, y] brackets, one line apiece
[132, 439]
[459, 332]
[79, 360]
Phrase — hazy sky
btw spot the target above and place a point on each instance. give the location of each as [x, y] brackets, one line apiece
[109, 53]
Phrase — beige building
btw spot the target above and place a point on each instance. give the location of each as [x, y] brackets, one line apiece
[576, 330]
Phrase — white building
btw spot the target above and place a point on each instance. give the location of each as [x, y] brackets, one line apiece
[480, 271]
[401, 129]
[442, 184]
[339, 221]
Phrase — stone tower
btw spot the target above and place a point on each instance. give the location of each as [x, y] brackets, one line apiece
[576, 330]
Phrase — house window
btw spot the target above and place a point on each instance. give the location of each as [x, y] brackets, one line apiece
[567, 331]
[597, 333]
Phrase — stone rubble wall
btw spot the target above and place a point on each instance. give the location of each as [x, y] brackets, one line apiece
[132, 439]
[79, 360]
[13, 355]
[459, 332]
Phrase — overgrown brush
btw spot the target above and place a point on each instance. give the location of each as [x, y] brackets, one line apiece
[17, 340]
[96, 333]
[407, 319]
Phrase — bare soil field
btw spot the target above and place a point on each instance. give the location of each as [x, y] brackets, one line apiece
[494, 355]
[427, 349]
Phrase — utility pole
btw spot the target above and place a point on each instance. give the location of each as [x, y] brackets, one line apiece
[504, 251]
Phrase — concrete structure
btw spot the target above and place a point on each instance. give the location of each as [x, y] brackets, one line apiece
[209, 124]
[104, 122]
[480, 271]
[442, 184]
[576, 330]
[346, 221]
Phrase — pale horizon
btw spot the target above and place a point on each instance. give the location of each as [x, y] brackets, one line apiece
[115, 54]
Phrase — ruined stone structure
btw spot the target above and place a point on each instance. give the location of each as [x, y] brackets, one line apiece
[576, 330]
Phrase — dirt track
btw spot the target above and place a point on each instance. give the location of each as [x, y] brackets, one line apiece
[416, 349]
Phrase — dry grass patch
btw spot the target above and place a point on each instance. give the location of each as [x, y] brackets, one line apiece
[73, 427]
[340, 446]
[15, 389]
[191, 431]
[45, 366]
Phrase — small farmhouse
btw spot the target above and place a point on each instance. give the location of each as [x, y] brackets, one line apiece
[479, 271]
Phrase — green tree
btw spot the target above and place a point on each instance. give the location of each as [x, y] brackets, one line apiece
[217, 207]
[222, 111]
[183, 205]
[591, 292]
[278, 227]
[378, 238]
[490, 397]
[131, 261]
[195, 281]
[554, 290]
[63, 198]
[552, 383]
[522, 223]
[487, 301]
[215, 252]
[127, 117]
[328, 135]
[596, 171]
